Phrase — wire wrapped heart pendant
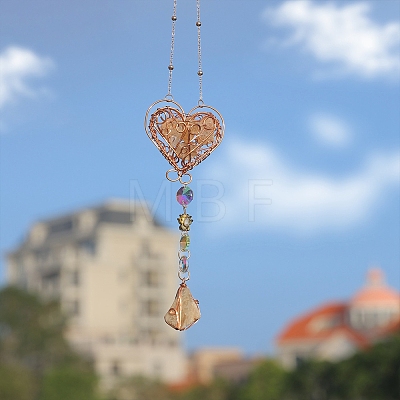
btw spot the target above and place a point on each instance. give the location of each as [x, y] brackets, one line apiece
[185, 140]
[184, 311]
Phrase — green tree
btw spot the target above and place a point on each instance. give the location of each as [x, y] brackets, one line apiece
[373, 374]
[33, 351]
[31, 331]
[266, 382]
[16, 383]
[217, 390]
[312, 380]
[66, 383]
[140, 388]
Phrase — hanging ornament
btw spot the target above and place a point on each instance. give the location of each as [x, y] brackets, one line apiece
[185, 140]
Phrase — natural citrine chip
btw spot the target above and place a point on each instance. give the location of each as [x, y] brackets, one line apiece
[184, 242]
[184, 311]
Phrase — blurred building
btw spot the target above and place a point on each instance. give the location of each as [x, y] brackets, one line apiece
[237, 372]
[335, 331]
[203, 362]
[207, 364]
[113, 269]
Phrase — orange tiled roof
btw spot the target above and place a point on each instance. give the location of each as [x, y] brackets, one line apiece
[329, 319]
[320, 324]
[300, 327]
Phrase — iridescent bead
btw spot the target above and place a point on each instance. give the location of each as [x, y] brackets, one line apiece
[184, 242]
[184, 264]
[184, 196]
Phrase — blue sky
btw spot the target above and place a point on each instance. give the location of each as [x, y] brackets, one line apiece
[310, 95]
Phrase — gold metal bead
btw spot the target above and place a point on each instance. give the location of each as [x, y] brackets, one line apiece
[170, 67]
[200, 73]
[198, 23]
[174, 18]
[185, 220]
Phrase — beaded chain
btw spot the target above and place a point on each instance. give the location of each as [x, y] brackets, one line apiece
[185, 140]
[174, 18]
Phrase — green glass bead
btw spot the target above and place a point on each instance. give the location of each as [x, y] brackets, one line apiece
[184, 242]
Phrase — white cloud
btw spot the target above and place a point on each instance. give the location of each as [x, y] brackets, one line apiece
[301, 201]
[17, 67]
[330, 130]
[344, 36]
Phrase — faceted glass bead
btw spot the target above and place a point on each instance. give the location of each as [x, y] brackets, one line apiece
[184, 242]
[184, 196]
[184, 264]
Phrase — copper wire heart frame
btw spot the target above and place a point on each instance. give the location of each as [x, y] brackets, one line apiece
[185, 140]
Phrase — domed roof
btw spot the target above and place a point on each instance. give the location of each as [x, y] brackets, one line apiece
[376, 292]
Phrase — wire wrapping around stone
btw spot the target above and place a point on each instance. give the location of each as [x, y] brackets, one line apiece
[184, 311]
[185, 140]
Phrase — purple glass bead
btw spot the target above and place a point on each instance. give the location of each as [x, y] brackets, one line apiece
[184, 196]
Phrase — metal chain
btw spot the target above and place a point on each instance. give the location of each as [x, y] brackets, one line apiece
[171, 56]
[200, 70]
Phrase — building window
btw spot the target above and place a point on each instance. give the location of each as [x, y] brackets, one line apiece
[73, 308]
[116, 217]
[157, 369]
[61, 226]
[42, 256]
[151, 278]
[108, 339]
[147, 253]
[151, 308]
[74, 278]
[51, 281]
[116, 368]
[151, 335]
[145, 250]
[89, 247]
[299, 360]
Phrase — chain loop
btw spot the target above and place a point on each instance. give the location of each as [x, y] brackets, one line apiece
[179, 177]
[188, 180]
[184, 278]
[180, 254]
[200, 71]
[171, 56]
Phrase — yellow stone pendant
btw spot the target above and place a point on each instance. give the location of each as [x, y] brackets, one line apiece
[184, 311]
